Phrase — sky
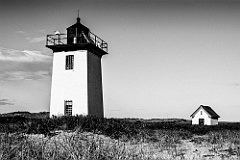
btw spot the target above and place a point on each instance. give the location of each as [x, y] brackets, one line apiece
[166, 57]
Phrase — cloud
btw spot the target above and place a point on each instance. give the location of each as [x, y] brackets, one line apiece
[4, 102]
[24, 65]
[37, 39]
[25, 75]
[7, 54]
[235, 84]
[32, 39]
[41, 30]
[23, 33]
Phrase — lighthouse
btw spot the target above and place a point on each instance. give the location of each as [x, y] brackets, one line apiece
[77, 73]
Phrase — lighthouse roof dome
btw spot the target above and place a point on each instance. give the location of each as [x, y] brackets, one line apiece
[79, 26]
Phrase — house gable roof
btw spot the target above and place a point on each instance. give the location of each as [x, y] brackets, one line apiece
[208, 109]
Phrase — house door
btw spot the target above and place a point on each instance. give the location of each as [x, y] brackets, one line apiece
[201, 121]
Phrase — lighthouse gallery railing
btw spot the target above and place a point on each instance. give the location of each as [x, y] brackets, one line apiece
[62, 39]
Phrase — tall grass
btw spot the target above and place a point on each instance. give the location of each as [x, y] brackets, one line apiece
[115, 128]
[100, 138]
[73, 146]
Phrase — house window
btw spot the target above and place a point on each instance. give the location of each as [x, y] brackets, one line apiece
[201, 113]
[68, 108]
[69, 62]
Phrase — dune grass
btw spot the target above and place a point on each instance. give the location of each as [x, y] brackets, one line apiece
[82, 137]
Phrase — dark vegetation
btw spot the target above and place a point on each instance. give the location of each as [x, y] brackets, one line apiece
[115, 128]
[35, 136]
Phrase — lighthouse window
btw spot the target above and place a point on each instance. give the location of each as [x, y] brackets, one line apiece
[68, 108]
[69, 62]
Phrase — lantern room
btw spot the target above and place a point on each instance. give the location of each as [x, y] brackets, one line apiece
[78, 37]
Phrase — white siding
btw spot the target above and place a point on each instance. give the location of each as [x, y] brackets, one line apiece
[69, 84]
[214, 122]
[205, 116]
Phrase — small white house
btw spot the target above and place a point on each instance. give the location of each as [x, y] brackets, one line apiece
[204, 115]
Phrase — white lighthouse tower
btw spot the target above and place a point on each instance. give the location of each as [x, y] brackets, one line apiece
[77, 74]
